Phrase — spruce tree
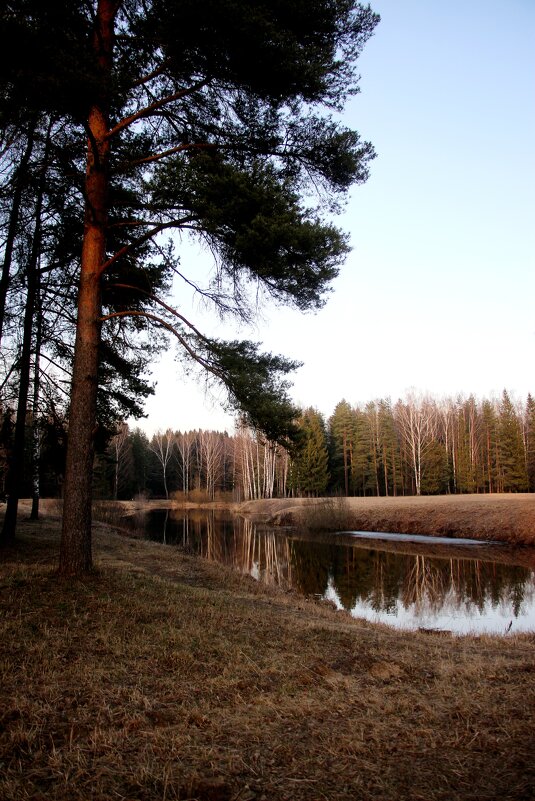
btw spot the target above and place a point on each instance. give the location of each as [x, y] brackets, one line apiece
[530, 442]
[490, 450]
[513, 476]
[309, 466]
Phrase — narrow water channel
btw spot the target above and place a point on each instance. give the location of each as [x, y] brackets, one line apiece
[404, 582]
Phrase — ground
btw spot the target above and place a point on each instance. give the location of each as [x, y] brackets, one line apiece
[163, 676]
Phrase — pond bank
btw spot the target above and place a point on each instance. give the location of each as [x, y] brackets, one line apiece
[504, 517]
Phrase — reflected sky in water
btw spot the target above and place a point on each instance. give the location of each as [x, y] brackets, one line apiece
[408, 585]
[500, 618]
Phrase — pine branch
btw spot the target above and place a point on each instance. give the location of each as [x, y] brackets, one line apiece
[148, 110]
[211, 368]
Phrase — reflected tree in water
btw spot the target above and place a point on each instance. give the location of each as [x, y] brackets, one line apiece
[383, 581]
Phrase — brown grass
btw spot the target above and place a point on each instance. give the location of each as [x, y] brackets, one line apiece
[168, 677]
[506, 517]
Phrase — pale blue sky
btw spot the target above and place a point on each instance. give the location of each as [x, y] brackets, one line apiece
[437, 294]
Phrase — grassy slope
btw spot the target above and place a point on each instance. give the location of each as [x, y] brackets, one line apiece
[501, 516]
[169, 677]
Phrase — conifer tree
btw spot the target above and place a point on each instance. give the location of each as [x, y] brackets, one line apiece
[208, 118]
[490, 451]
[363, 453]
[465, 448]
[512, 465]
[530, 442]
[342, 425]
[309, 467]
[389, 450]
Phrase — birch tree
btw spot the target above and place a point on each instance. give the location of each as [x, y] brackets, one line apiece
[185, 442]
[162, 446]
[416, 418]
[120, 446]
[211, 449]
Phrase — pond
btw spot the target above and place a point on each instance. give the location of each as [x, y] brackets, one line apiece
[407, 582]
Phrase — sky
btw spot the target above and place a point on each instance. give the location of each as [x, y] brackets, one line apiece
[437, 295]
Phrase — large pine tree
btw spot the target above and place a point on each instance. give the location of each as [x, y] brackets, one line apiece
[208, 118]
[342, 427]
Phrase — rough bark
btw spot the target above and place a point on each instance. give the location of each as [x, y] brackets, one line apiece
[75, 549]
[16, 466]
[20, 179]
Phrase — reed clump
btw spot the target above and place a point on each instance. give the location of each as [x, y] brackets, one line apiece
[327, 514]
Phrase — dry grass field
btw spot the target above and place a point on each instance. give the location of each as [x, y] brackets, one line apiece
[505, 517]
[164, 676]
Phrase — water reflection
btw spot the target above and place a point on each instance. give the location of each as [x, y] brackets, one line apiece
[404, 584]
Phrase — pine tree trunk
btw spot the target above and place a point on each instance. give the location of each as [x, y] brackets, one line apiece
[75, 553]
[75, 549]
[16, 468]
[21, 176]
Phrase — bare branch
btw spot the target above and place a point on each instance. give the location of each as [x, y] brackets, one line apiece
[164, 153]
[139, 241]
[154, 74]
[161, 321]
[55, 364]
[164, 306]
[54, 383]
[148, 110]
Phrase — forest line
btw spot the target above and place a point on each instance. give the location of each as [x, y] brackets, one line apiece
[417, 446]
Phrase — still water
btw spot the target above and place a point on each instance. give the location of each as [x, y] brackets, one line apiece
[410, 583]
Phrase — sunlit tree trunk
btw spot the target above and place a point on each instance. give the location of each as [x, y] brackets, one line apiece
[211, 452]
[75, 549]
[270, 461]
[261, 466]
[282, 473]
[119, 445]
[248, 467]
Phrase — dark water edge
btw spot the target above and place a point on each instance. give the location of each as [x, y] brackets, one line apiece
[404, 581]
